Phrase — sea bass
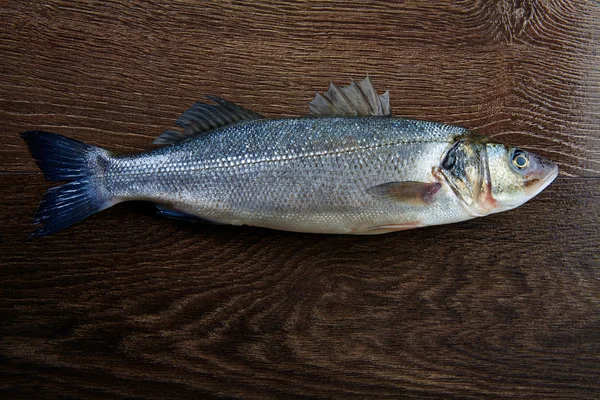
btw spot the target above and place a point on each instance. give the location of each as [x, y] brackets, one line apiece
[348, 168]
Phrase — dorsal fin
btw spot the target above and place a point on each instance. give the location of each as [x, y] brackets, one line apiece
[354, 100]
[202, 117]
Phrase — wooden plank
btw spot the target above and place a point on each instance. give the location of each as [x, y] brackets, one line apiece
[126, 304]
[119, 73]
[132, 305]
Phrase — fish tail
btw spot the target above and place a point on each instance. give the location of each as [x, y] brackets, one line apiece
[68, 160]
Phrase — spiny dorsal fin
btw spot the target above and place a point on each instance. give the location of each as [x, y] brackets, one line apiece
[354, 100]
[202, 117]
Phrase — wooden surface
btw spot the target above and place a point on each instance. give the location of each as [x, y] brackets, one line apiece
[129, 305]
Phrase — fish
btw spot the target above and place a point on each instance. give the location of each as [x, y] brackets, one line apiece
[348, 167]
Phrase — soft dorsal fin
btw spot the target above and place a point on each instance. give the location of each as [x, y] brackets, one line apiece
[202, 117]
[355, 100]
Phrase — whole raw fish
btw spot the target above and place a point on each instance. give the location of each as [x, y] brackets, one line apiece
[350, 168]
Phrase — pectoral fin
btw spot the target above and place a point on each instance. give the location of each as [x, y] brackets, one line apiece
[410, 192]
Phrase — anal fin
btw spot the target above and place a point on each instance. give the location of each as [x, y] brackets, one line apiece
[170, 213]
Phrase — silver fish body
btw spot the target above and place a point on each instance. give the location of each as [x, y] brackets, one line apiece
[350, 168]
[304, 174]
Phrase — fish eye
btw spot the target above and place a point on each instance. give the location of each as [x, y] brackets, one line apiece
[520, 159]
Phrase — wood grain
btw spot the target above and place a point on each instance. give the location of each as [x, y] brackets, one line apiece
[129, 305]
[120, 73]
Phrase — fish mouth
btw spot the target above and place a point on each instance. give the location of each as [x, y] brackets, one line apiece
[537, 185]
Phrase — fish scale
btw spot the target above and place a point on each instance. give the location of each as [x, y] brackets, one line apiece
[315, 182]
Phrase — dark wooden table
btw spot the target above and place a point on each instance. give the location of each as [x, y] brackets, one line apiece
[126, 304]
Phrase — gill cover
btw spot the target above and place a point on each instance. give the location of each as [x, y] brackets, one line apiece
[465, 168]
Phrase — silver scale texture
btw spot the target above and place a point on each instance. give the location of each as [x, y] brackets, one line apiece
[303, 174]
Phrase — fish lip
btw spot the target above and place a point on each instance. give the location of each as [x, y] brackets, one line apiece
[545, 182]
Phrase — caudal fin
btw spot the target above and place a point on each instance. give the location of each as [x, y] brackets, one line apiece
[67, 160]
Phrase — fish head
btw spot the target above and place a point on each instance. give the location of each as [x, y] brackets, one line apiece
[492, 177]
[517, 175]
